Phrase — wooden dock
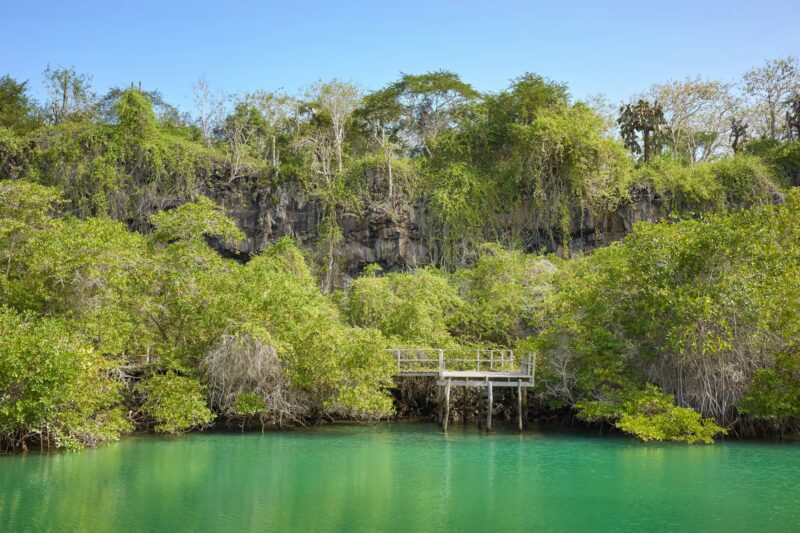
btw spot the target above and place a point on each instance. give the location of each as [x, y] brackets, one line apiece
[484, 369]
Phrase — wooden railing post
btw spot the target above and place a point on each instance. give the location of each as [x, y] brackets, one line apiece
[441, 360]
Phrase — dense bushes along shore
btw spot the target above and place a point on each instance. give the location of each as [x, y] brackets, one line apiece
[682, 330]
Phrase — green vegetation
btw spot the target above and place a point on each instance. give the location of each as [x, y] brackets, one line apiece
[175, 403]
[651, 415]
[102, 321]
[56, 388]
[705, 309]
[117, 311]
[715, 186]
[700, 312]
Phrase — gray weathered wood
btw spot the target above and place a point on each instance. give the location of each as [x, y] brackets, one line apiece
[525, 408]
[446, 407]
[480, 408]
[491, 370]
[483, 375]
[481, 383]
[465, 405]
[439, 401]
[490, 406]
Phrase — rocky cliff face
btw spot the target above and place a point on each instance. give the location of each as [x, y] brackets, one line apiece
[392, 236]
[379, 234]
[595, 232]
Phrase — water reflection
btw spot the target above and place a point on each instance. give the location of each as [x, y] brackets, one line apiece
[403, 477]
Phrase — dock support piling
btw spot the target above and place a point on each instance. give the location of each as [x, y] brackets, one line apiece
[519, 407]
[439, 403]
[465, 405]
[490, 405]
[446, 406]
[525, 408]
[480, 409]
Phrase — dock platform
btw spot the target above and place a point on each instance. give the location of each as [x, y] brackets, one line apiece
[482, 368]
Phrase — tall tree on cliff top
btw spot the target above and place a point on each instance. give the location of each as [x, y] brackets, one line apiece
[282, 117]
[645, 118]
[15, 107]
[429, 104]
[793, 117]
[209, 108]
[379, 116]
[70, 96]
[771, 85]
[321, 144]
[338, 100]
[527, 99]
[243, 131]
[697, 114]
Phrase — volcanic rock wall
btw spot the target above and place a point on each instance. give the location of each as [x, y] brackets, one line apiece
[391, 235]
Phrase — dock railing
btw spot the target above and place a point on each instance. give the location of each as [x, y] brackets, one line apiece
[527, 364]
[411, 361]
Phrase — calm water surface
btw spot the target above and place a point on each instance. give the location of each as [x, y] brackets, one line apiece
[405, 478]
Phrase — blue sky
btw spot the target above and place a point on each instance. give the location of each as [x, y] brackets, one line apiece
[614, 48]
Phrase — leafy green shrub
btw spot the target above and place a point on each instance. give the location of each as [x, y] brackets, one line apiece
[249, 404]
[503, 293]
[775, 392]
[725, 184]
[135, 116]
[13, 155]
[650, 414]
[412, 308]
[175, 403]
[747, 181]
[687, 190]
[195, 220]
[324, 358]
[54, 388]
[783, 157]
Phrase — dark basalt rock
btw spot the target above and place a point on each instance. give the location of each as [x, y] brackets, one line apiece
[392, 235]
